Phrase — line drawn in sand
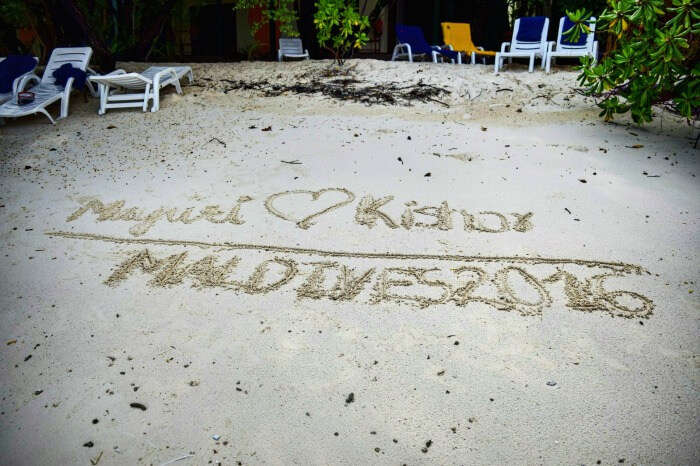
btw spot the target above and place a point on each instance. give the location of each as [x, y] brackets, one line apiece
[509, 283]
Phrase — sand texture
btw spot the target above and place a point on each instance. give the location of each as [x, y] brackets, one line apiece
[486, 273]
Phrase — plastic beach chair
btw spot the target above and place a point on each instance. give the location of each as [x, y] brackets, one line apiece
[113, 86]
[586, 45]
[529, 41]
[411, 42]
[46, 91]
[459, 36]
[13, 69]
[291, 47]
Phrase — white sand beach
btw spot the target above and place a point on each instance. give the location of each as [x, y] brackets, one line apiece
[495, 276]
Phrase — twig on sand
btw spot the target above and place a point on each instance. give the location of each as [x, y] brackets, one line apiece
[96, 459]
[217, 140]
[481, 91]
[291, 162]
[176, 459]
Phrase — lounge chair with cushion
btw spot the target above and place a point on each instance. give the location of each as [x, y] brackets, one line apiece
[529, 41]
[69, 64]
[459, 36]
[12, 70]
[291, 47]
[586, 45]
[411, 42]
[113, 87]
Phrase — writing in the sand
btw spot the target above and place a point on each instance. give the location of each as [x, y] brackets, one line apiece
[304, 208]
[523, 285]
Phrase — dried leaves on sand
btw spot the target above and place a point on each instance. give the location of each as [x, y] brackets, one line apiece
[348, 89]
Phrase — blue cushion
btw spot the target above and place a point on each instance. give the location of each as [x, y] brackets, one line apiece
[12, 68]
[66, 71]
[413, 35]
[530, 29]
[568, 24]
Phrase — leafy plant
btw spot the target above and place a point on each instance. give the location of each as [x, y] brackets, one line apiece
[581, 26]
[15, 12]
[282, 11]
[654, 59]
[114, 29]
[340, 28]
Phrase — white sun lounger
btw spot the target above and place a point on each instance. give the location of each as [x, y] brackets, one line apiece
[524, 49]
[113, 86]
[15, 85]
[292, 48]
[47, 91]
[561, 48]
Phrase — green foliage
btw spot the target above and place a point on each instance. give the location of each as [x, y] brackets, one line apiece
[653, 59]
[15, 12]
[581, 26]
[552, 8]
[282, 11]
[124, 28]
[340, 28]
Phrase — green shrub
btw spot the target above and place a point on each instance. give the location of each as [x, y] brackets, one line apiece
[340, 28]
[652, 60]
[282, 11]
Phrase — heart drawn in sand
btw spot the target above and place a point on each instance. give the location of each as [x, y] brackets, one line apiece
[307, 221]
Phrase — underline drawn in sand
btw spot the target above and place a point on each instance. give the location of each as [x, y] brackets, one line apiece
[525, 285]
[370, 212]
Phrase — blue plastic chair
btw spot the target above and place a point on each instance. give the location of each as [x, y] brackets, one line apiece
[411, 42]
[586, 45]
[529, 41]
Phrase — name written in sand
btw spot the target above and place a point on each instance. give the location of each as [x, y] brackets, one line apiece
[304, 208]
[526, 285]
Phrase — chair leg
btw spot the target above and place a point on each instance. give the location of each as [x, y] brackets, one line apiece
[65, 101]
[531, 68]
[395, 53]
[104, 94]
[496, 62]
[43, 110]
[146, 96]
[155, 93]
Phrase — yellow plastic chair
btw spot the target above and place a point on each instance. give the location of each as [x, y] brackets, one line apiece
[459, 36]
